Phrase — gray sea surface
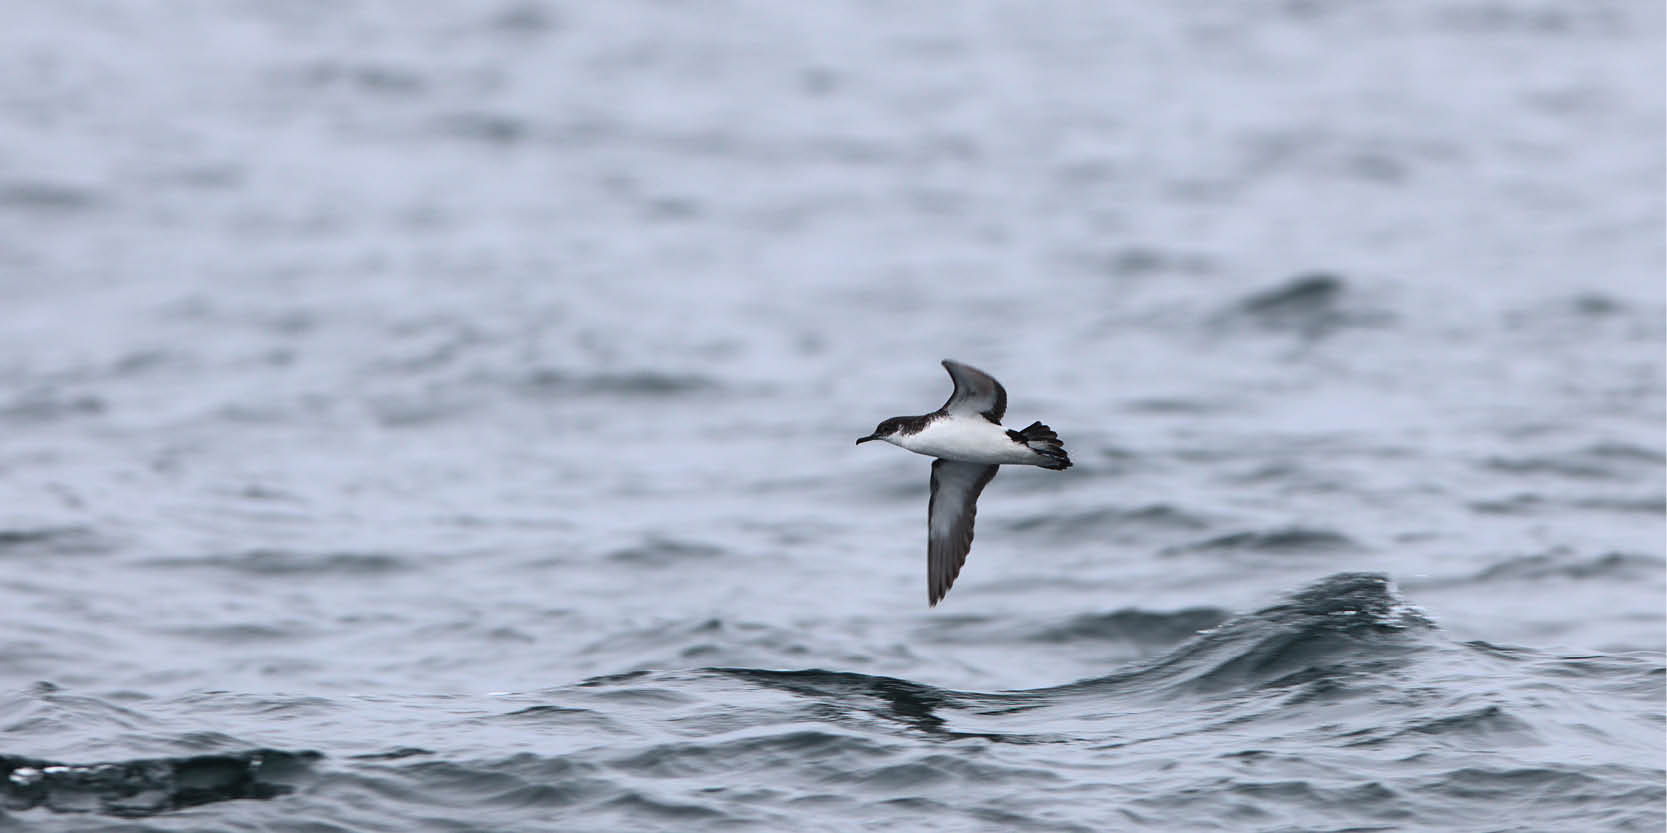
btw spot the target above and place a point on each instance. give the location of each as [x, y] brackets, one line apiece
[438, 416]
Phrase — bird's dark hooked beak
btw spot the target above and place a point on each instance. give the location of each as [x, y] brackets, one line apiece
[861, 440]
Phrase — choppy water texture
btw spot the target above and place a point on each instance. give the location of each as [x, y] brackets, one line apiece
[439, 417]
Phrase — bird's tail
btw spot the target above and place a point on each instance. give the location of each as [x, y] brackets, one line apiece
[1042, 440]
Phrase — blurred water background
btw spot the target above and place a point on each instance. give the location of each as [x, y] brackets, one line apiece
[438, 416]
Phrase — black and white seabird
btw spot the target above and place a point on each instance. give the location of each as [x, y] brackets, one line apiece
[967, 438]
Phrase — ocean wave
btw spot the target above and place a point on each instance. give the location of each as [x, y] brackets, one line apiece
[646, 383]
[1311, 306]
[282, 562]
[1141, 627]
[52, 540]
[147, 786]
[1347, 623]
[1283, 712]
[1295, 540]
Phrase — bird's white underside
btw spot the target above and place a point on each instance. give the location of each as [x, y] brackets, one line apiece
[966, 440]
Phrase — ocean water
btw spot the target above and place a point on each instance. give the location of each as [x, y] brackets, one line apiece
[433, 416]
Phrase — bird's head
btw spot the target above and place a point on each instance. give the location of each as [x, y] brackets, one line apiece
[887, 431]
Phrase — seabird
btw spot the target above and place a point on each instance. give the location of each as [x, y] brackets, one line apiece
[970, 444]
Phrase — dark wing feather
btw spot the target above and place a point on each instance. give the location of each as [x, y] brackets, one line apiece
[954, 505]
[976, 392]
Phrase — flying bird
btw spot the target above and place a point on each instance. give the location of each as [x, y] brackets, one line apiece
[970, 444]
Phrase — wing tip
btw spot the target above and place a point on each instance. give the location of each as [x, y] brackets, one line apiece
[937, 594]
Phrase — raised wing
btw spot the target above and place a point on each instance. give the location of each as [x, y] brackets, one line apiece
[976, 392]
[955, 489]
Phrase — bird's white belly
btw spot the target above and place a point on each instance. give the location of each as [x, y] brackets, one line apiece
[967, 440]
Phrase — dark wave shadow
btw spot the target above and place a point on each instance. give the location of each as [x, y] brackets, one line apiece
[912, 704]
[1346, 625]
[1341, 627]
[147, 786]
[1310, 306]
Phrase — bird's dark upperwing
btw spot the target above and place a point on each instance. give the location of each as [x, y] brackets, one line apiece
[955, 489]
[976, 392]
